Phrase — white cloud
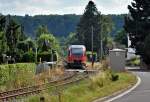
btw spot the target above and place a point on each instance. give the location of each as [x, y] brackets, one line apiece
[33, 7]
[113, 6]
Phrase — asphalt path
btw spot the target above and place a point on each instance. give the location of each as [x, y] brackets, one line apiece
[142, 92]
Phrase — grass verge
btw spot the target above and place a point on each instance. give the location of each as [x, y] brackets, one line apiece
[83, 92]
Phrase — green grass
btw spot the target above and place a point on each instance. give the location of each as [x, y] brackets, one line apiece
[134, 61]
[82, 92]
[16, 75]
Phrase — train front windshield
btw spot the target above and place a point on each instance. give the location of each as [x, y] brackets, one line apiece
[77, 51]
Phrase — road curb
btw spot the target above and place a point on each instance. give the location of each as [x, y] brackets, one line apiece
[121, 93]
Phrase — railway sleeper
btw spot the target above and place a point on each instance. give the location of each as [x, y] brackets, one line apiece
[6, 98]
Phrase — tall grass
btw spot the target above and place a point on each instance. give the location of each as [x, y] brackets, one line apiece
[103, 78]
[16, 75]
[23, 75]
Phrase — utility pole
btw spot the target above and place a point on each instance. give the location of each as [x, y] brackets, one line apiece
[36, 55]
[92, 47]
[36, 51]
[101, 43]
[7, 23]
[92, 40]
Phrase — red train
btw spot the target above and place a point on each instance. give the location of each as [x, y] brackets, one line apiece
[76, 56]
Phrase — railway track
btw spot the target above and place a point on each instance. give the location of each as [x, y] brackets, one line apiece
[26, 91]
[78, 77]
[59, 88]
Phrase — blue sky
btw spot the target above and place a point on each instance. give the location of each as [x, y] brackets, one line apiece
[34, 7]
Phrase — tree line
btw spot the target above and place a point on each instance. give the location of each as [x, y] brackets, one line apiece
[17, 47]
[60, 25]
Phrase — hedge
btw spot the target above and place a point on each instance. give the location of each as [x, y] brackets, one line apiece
[28, 57]
[47, 56]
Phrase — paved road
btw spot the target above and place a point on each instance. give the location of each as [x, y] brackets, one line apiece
[142, 92]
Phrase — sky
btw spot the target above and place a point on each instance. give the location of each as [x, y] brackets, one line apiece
[46, 7]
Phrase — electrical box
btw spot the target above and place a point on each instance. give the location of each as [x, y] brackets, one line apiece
[117, 59]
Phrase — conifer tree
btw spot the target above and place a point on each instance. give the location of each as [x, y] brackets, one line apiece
[12, 35]
[91, 18]
[137, 24]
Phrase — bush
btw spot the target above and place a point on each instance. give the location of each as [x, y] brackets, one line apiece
[47, 56]
[99, 80]
[114, 77]
[55, 56]
[134, 61]
[103, 78]
[105, 64]
[19, 56]
[28, 57]
[1, 58]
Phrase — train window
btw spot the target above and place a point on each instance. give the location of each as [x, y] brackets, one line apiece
[77, 51]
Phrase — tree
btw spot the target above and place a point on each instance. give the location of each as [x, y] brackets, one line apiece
[22, 33]
[3, 43]
[2, 22]
[11, 33]
[71, 39]
[102, 26]
[47, 42]
[8, 34]
[147, 49]
[107, 26]
[42, 29]
[137, 24]
[110, 42]
[26, 45]
[12, 36]
[91, 18]
[121, 38]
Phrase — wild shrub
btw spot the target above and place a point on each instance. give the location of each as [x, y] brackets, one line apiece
[102, 78]
[28, 57]
[105, 64]
[135, 61]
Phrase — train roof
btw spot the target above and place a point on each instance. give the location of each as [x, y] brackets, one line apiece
[76, 46]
